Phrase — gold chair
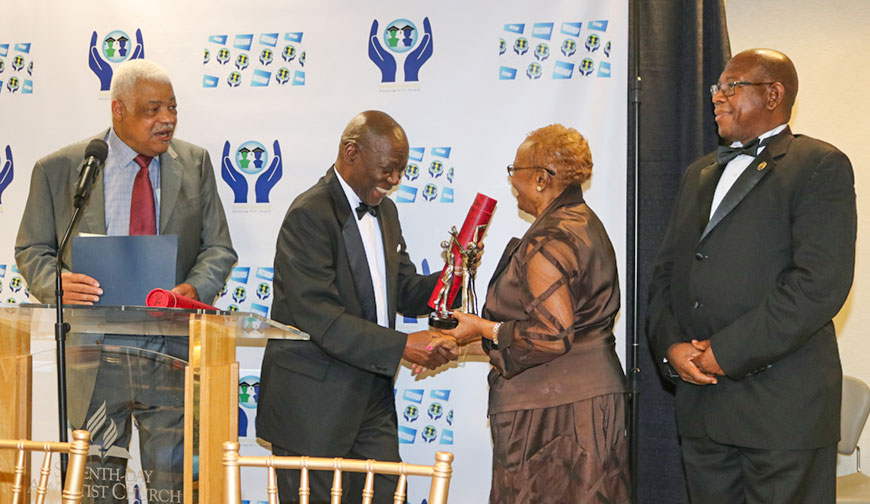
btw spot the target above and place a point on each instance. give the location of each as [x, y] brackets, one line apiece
[75, 475]
[853, 488]
[440, 473]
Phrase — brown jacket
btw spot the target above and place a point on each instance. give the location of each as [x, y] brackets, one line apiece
[556, 291]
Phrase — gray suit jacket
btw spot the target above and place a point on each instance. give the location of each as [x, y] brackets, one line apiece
[189, 207]
[762, 280]
[313, 394]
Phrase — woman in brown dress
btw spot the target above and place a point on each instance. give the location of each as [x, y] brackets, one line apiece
[557, 390]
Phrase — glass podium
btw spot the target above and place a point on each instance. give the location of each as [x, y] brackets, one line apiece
[157, 388]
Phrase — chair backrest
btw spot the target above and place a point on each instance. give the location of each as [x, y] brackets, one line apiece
[853, 413]
[75, 475]
[440, 473]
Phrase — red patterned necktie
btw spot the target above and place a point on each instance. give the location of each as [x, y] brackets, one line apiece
[142, 221]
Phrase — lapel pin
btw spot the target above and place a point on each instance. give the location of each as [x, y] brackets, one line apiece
[762, 166]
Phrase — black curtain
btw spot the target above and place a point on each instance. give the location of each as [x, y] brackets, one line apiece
[679, 48]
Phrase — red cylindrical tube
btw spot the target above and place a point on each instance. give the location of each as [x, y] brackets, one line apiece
[477, 219]
[162, 298]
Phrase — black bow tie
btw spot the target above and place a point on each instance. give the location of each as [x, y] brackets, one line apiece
[725, 153]
[363, 208]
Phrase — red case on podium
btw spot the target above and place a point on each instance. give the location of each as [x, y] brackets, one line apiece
[162, 298]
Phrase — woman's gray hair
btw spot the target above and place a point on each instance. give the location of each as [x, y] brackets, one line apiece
[131, 71]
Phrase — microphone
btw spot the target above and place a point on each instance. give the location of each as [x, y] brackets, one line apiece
[95, 156]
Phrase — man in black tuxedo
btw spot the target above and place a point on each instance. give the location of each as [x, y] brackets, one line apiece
[341, 273]
[758, 258]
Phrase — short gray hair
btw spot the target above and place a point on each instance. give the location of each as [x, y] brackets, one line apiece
[131, 71]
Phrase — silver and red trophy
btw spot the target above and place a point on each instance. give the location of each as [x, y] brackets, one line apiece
[460, 256]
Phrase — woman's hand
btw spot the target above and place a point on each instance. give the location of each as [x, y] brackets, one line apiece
[470, 328]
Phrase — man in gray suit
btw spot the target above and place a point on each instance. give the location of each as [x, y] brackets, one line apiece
[758, 258]
[151, 184]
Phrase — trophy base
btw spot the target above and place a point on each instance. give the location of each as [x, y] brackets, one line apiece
[439, 322]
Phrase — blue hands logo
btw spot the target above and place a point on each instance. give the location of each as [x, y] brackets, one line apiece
[6, 173]
[115, 48]
[436, 168]
[430, 433]
[13, 84]
[435, 411]
[242, 61]
[223, 55]
[266, 56]
[401, 37]
[593, 41]
[411, 413]
[234, 79]
[542, 51]
[430, 191]
[264, 290]
[586, 66]
[283, 75]
[251, 158]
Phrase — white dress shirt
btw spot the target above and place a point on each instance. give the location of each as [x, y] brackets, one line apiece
[373, 243]
[119, 172]
[735, 168]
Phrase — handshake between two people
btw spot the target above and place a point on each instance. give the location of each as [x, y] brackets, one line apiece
[432, 348]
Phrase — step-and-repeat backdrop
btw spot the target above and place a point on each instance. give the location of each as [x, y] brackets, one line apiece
[267, 88]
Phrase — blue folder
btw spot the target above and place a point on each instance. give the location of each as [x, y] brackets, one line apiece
[127, 267]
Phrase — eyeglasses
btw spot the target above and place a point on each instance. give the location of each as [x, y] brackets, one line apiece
[511, 169]
[729, 88]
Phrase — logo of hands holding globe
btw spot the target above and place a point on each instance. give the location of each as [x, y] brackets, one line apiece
[400, 37]
[251, 158]
[7, 172]
[116, 47]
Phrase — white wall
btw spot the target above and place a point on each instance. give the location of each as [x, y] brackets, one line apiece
[828, 42]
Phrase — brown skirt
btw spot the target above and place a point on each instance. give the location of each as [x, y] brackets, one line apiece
[570, 454]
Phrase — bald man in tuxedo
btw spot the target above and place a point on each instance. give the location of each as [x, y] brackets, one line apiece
[342, 272]
[758, 258]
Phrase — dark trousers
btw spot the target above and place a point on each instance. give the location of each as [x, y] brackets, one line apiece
[136, 381]
[724, 474]
[377, 439]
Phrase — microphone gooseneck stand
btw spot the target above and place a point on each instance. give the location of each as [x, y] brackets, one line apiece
[95, 155]
[61, 328]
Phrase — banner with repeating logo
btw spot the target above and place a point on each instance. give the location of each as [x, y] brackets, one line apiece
[268, 87]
